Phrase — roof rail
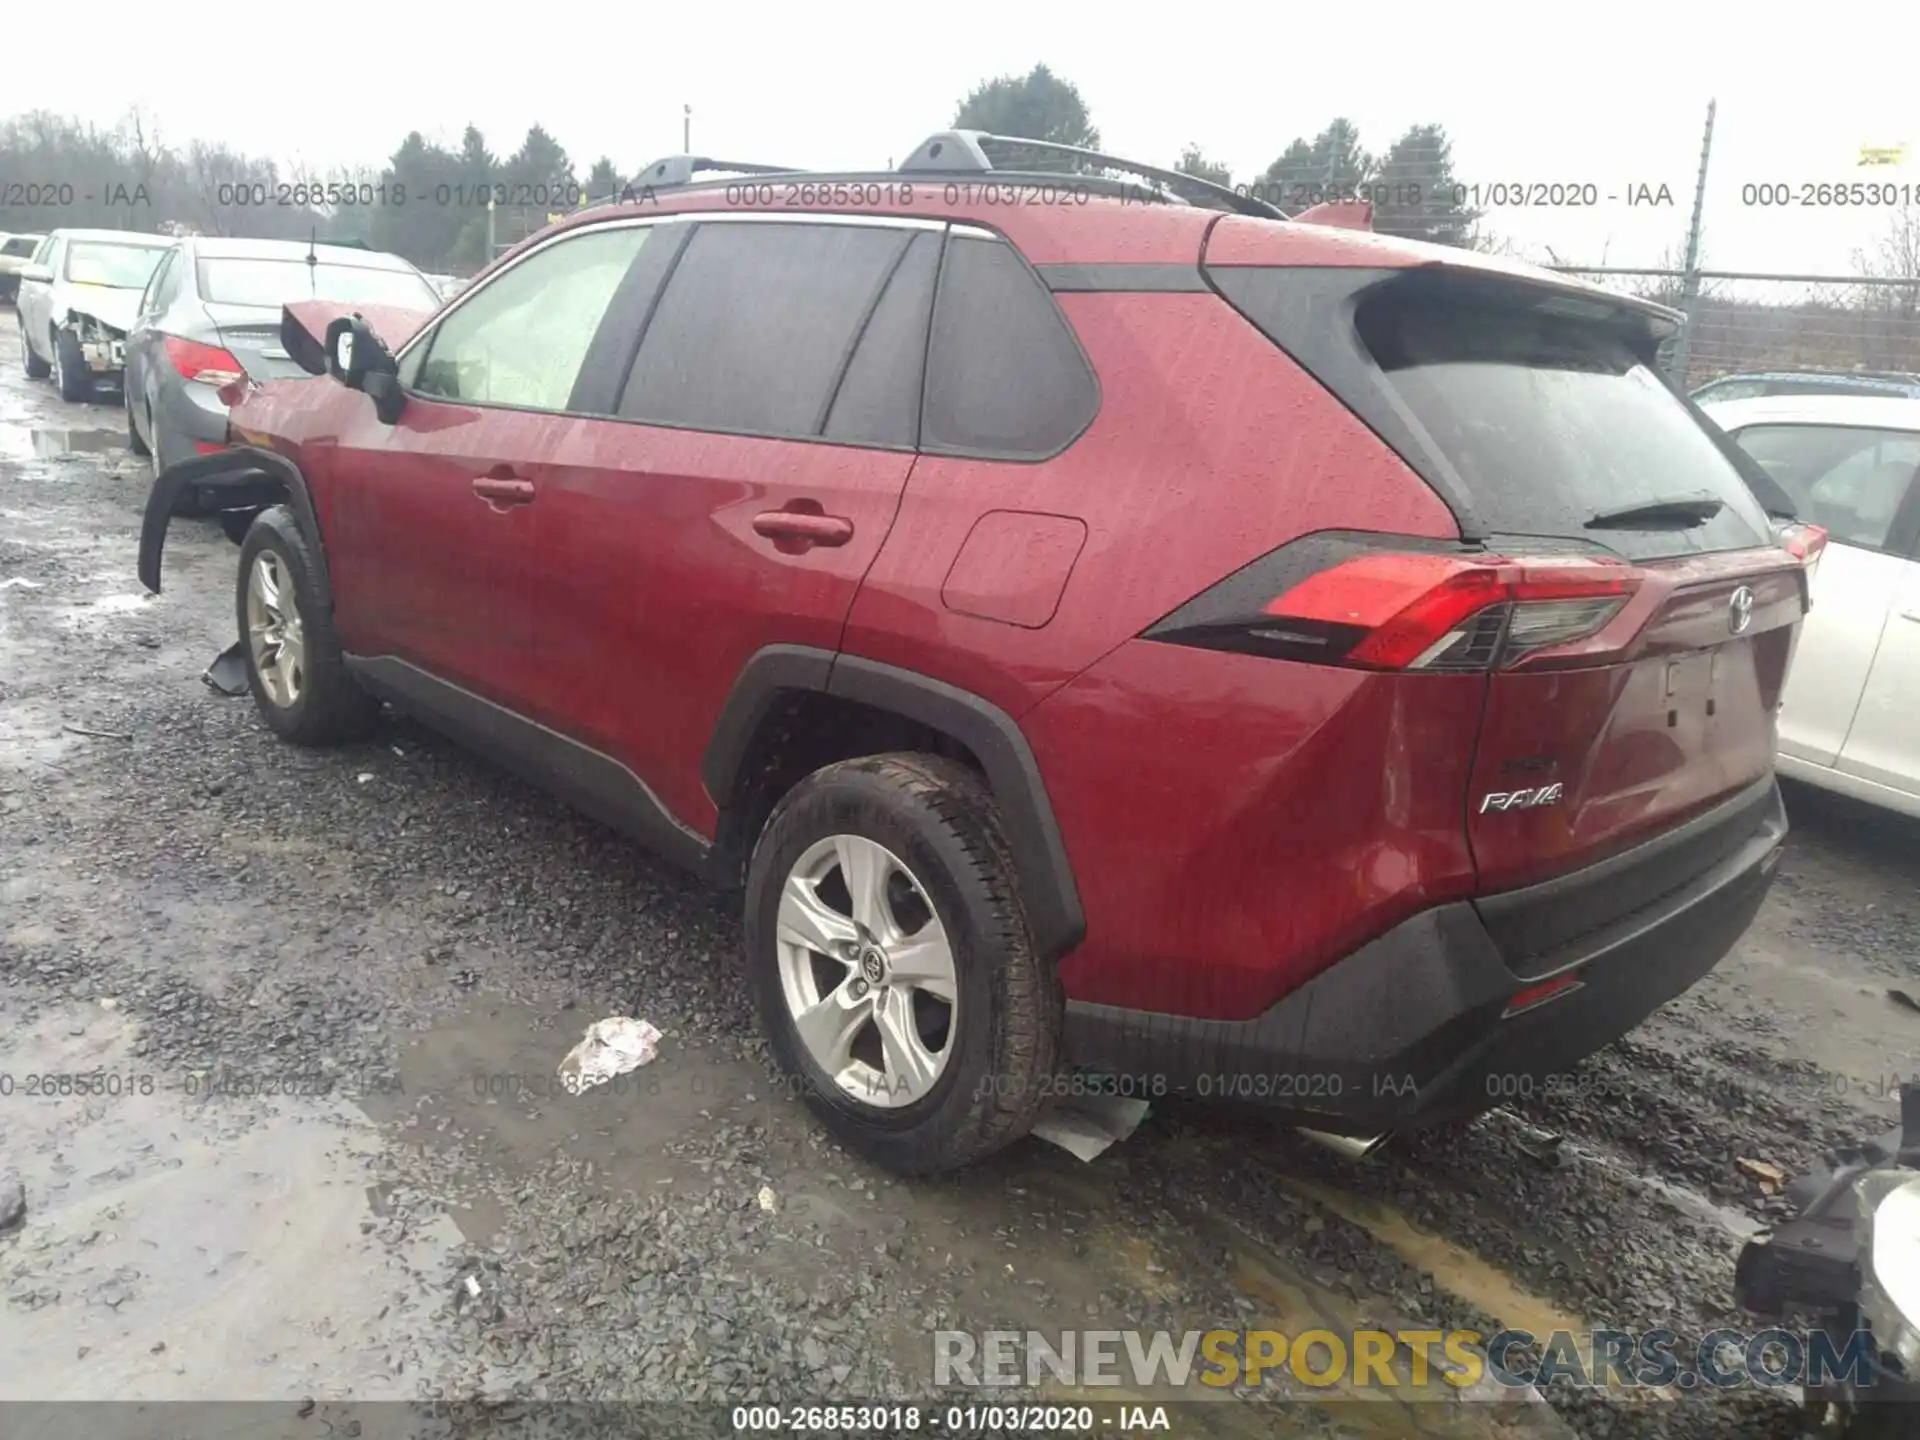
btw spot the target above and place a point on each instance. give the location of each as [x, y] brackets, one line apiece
[965, 152]
[674, 170]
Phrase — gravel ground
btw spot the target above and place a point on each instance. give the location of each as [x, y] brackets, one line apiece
[399, 942]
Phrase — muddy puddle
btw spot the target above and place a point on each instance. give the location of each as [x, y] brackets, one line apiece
[50, 443]
[178, 1247]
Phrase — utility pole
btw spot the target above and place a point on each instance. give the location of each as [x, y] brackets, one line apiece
[1690, 274]
[686, 130]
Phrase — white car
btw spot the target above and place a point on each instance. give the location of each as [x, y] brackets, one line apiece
[1851, 464]
[78, 299]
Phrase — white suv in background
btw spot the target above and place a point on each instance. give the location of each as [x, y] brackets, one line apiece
[1851, 718]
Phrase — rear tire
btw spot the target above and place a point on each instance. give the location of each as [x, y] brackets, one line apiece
[70, 367]
[37, 369]
[912, 1081]
[294, 667]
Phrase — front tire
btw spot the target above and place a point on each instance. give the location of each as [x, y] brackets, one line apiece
[891, 963]
[37, 369]
[70, 367]
[294, 667]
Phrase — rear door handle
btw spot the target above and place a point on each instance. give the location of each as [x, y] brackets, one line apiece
[501, 491]
[799, 525]
[1913, 614]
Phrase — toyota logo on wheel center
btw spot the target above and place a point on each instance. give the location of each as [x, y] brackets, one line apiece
[873, 965]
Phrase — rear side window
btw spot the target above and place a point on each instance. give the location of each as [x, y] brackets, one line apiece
[1849, 480]
[1552, 422]
[878, 402]
[1005, 376]
[757, 325]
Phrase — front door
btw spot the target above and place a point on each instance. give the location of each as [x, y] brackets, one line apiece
[435, 552]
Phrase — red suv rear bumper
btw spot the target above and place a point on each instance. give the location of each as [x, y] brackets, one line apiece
[1411, 1029]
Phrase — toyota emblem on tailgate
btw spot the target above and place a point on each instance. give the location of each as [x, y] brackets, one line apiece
[1740, 609]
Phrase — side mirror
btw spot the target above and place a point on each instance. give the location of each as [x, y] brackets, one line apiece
[36, 272]
[360, 360]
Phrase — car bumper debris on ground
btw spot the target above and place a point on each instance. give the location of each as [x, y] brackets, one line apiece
[278, 1042]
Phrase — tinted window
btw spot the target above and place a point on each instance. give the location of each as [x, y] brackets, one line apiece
[521, 339]
[118, 267]
[878, 402]
[20, 245]
[1005, 375]
[757, 324]
[233, 281]
[1849, 480]
[1550, 420]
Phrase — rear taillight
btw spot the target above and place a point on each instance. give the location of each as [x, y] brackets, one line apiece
[1447, 612]
[208, 364]
[1805, 542]
[1408, 610]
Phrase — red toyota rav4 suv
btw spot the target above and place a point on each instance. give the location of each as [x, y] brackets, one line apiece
[1240, 657]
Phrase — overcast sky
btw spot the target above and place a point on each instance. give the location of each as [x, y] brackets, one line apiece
[1613, 94]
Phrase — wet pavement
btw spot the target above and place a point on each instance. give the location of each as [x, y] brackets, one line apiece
[317, 1150]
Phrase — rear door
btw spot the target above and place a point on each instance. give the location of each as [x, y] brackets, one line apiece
[767, 421]
[1853, 481]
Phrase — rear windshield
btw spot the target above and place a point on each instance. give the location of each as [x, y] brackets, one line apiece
[1552, 422]
[275, 282]
[21, 245]
[118, 267]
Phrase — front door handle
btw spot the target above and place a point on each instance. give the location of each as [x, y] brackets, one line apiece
[799, 525]
[501, 491]
[1913, 614]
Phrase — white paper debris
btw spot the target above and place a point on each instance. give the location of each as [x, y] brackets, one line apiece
[610, 1047]
[473, 1287]
[1087, 1124]
[767, 1201]
[364, 776]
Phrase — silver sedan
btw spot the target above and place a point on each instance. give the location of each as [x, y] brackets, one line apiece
[211, 313]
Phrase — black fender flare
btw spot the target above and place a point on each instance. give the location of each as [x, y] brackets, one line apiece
[250, 476]
[1054, 914]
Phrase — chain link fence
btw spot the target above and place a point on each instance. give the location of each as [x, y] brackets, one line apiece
[1745, 322]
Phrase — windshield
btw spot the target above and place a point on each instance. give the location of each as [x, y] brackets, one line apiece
[118, 267]
[275, 282]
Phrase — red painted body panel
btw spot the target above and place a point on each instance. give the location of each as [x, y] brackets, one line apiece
[1211, 448]
[656, 591]
[1014, 566]
[1683, 717]
[1237, 824]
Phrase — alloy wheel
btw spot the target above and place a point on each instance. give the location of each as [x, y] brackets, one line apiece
[867, 971]
[274, 633]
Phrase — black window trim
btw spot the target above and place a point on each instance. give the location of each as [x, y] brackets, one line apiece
[1903, 531]
[860, 333]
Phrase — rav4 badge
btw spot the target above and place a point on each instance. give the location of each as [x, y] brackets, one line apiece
[1521, 799]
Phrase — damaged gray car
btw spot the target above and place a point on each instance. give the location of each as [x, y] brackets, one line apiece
[77, 301]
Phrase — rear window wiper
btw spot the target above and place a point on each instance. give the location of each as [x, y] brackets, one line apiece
[1680, 513]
